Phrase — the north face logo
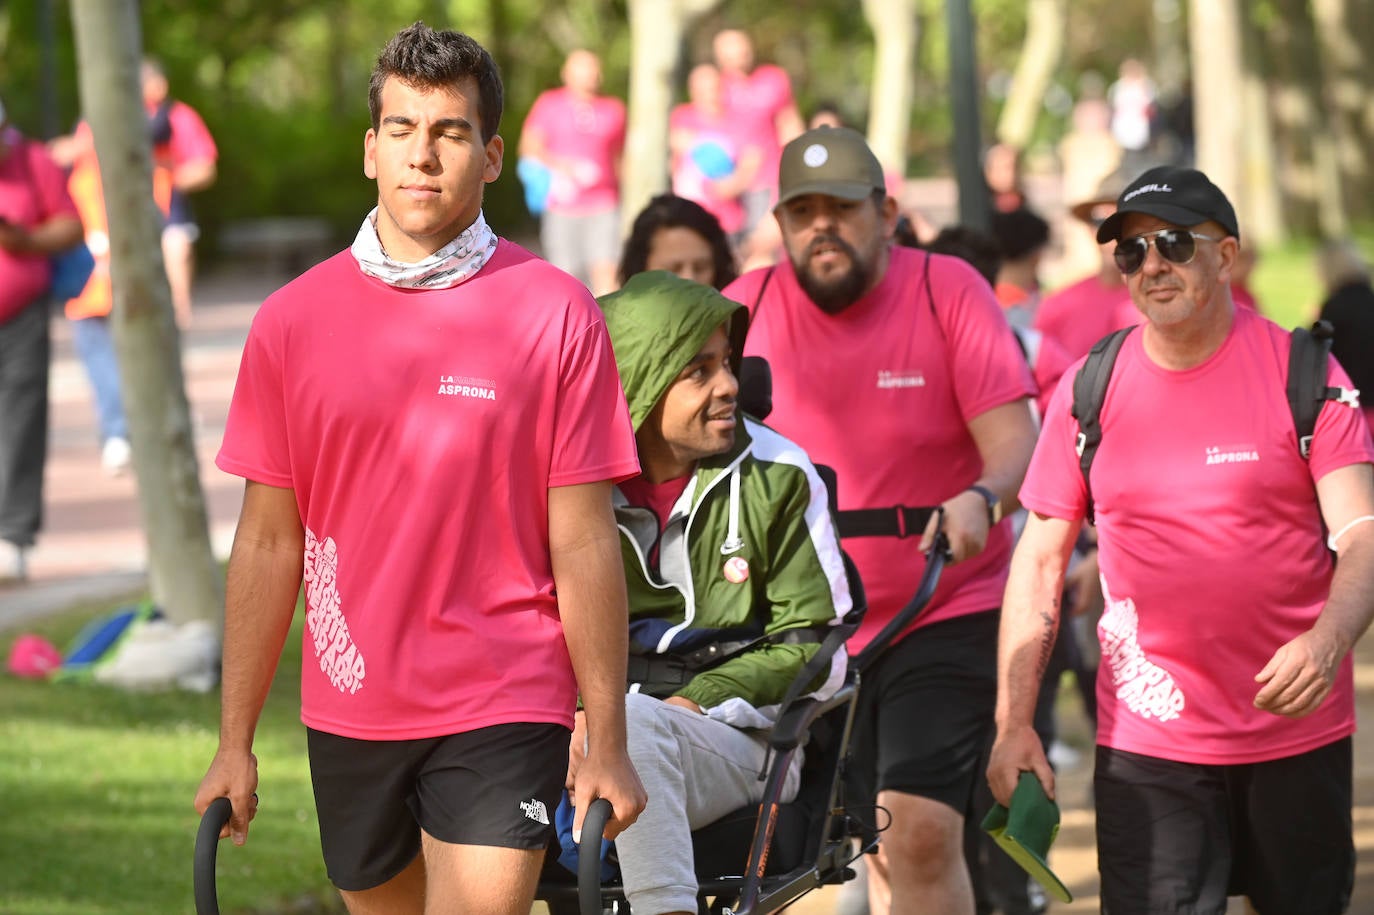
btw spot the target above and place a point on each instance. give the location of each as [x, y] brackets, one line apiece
[535, 810]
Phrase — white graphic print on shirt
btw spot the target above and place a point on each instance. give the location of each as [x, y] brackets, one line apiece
[339, 658]
[1141, 685]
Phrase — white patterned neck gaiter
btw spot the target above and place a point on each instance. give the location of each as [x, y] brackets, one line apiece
[449, 266]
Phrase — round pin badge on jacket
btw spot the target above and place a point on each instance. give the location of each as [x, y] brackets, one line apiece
[736, 569]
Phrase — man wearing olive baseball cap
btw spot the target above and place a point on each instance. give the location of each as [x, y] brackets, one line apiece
[1226, 700]
[897, 368]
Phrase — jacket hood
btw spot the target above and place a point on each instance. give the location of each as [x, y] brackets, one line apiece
[658, 322]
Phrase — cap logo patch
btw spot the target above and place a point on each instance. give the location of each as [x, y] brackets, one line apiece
[1148, 189]
[815, 155]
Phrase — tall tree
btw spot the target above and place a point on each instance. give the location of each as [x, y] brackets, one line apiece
[658, 29]
[183, 574]
[889, 114]
[1347, 74]
[1046, 26]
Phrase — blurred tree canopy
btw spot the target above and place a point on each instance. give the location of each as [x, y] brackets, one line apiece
[283, 83]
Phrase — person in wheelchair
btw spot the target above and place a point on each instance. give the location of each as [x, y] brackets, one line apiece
[734, 574]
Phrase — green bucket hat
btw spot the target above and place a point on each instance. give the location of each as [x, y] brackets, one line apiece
[1027, 830]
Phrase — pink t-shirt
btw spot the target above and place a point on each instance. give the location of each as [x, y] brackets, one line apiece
[584, 138]
[1210, 543]
[755, 101]
[191, 140]
[883, 393]
[421, 431]
[32, 191]
[689, 180]
[1083, 313]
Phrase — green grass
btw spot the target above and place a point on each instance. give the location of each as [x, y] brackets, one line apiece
[96, 789]
[1286, 283]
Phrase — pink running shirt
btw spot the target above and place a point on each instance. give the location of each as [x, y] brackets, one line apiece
[1083, 313]
[1210, 543]
[585, 137]
[689, 180]
[421, 431]
[32, 191]
[191, 140]
[883, 393]
[755, 101]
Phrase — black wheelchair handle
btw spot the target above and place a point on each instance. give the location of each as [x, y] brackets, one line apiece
[207, 843]
[589, 857]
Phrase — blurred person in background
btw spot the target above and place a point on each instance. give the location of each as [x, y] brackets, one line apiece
[183, 146]
[578, 135]
[678, 235]
[715, 158]
[37, 221]
[1349, 306]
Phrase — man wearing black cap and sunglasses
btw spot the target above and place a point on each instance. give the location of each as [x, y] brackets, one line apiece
[1226, 697]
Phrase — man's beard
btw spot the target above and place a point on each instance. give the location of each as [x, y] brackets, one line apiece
[834, 295]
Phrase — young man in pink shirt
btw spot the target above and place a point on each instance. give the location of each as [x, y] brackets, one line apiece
[1225, 692]
[897, 368]
[578, 134]
[430, 424]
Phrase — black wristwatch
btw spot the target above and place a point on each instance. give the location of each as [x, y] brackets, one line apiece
[994, 503]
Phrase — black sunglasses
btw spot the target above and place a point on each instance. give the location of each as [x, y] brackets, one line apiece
[1177, 246]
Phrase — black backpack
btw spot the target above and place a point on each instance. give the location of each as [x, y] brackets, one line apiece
[1307, 390]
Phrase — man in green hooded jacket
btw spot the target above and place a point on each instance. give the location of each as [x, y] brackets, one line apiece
[734, 573]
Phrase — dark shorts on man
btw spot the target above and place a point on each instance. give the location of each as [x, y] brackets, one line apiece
[495, 786]
[925, 712]
[1182, 837]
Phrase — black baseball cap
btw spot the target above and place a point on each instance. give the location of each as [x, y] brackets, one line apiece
[834, 161]
[1183, 196]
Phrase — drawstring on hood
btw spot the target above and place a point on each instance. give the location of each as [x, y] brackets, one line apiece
[733, 543]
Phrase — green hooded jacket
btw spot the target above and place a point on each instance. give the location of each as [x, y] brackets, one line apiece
[761, 502]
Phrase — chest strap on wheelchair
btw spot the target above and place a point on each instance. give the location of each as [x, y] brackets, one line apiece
[895, 521]
[679, 669]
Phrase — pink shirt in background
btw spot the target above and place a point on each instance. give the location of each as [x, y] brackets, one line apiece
[755, 101]
[191, 140]
[688, 179]
[1083, 313]
[421, 431]
[1210, 541]
[32, 191]
[582, 139]
[883, 393]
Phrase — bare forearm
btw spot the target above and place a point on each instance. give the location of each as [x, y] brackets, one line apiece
[1350, 606]
[264, 579]
[1030, 625]
[592, 603]
[1005, 436]
[196, 175]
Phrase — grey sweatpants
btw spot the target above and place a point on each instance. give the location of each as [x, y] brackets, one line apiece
[695, 771]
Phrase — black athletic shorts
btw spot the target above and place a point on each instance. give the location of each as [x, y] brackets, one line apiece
[1181, 837]
[926, 713]
[494, 786]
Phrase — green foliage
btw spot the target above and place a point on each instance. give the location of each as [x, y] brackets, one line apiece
[97, 784]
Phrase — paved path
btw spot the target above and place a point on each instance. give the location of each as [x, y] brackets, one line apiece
[92, 545]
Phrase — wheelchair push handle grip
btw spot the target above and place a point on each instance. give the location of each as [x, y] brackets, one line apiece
[207, 844]
[589, 857]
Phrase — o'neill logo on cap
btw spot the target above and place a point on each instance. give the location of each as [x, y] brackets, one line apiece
[1148, 189]
[815, 155]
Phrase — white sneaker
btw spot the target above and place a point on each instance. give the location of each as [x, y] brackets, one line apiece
[14, 562]
[116, 455]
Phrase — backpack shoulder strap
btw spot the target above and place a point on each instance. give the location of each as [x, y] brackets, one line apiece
[1089, 390]
[1306, 387]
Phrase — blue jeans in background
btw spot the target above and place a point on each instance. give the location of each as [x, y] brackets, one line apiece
[95, 346]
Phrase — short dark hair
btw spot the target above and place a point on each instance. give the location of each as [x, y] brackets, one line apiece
[968, 244]
[1019, 232]
[427, 59]
[669, 211]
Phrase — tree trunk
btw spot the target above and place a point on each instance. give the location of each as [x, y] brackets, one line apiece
[1046, 26]
[889, 119]
[1347, 73]
[1303, 139]
[183, 575]
[657, 31]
